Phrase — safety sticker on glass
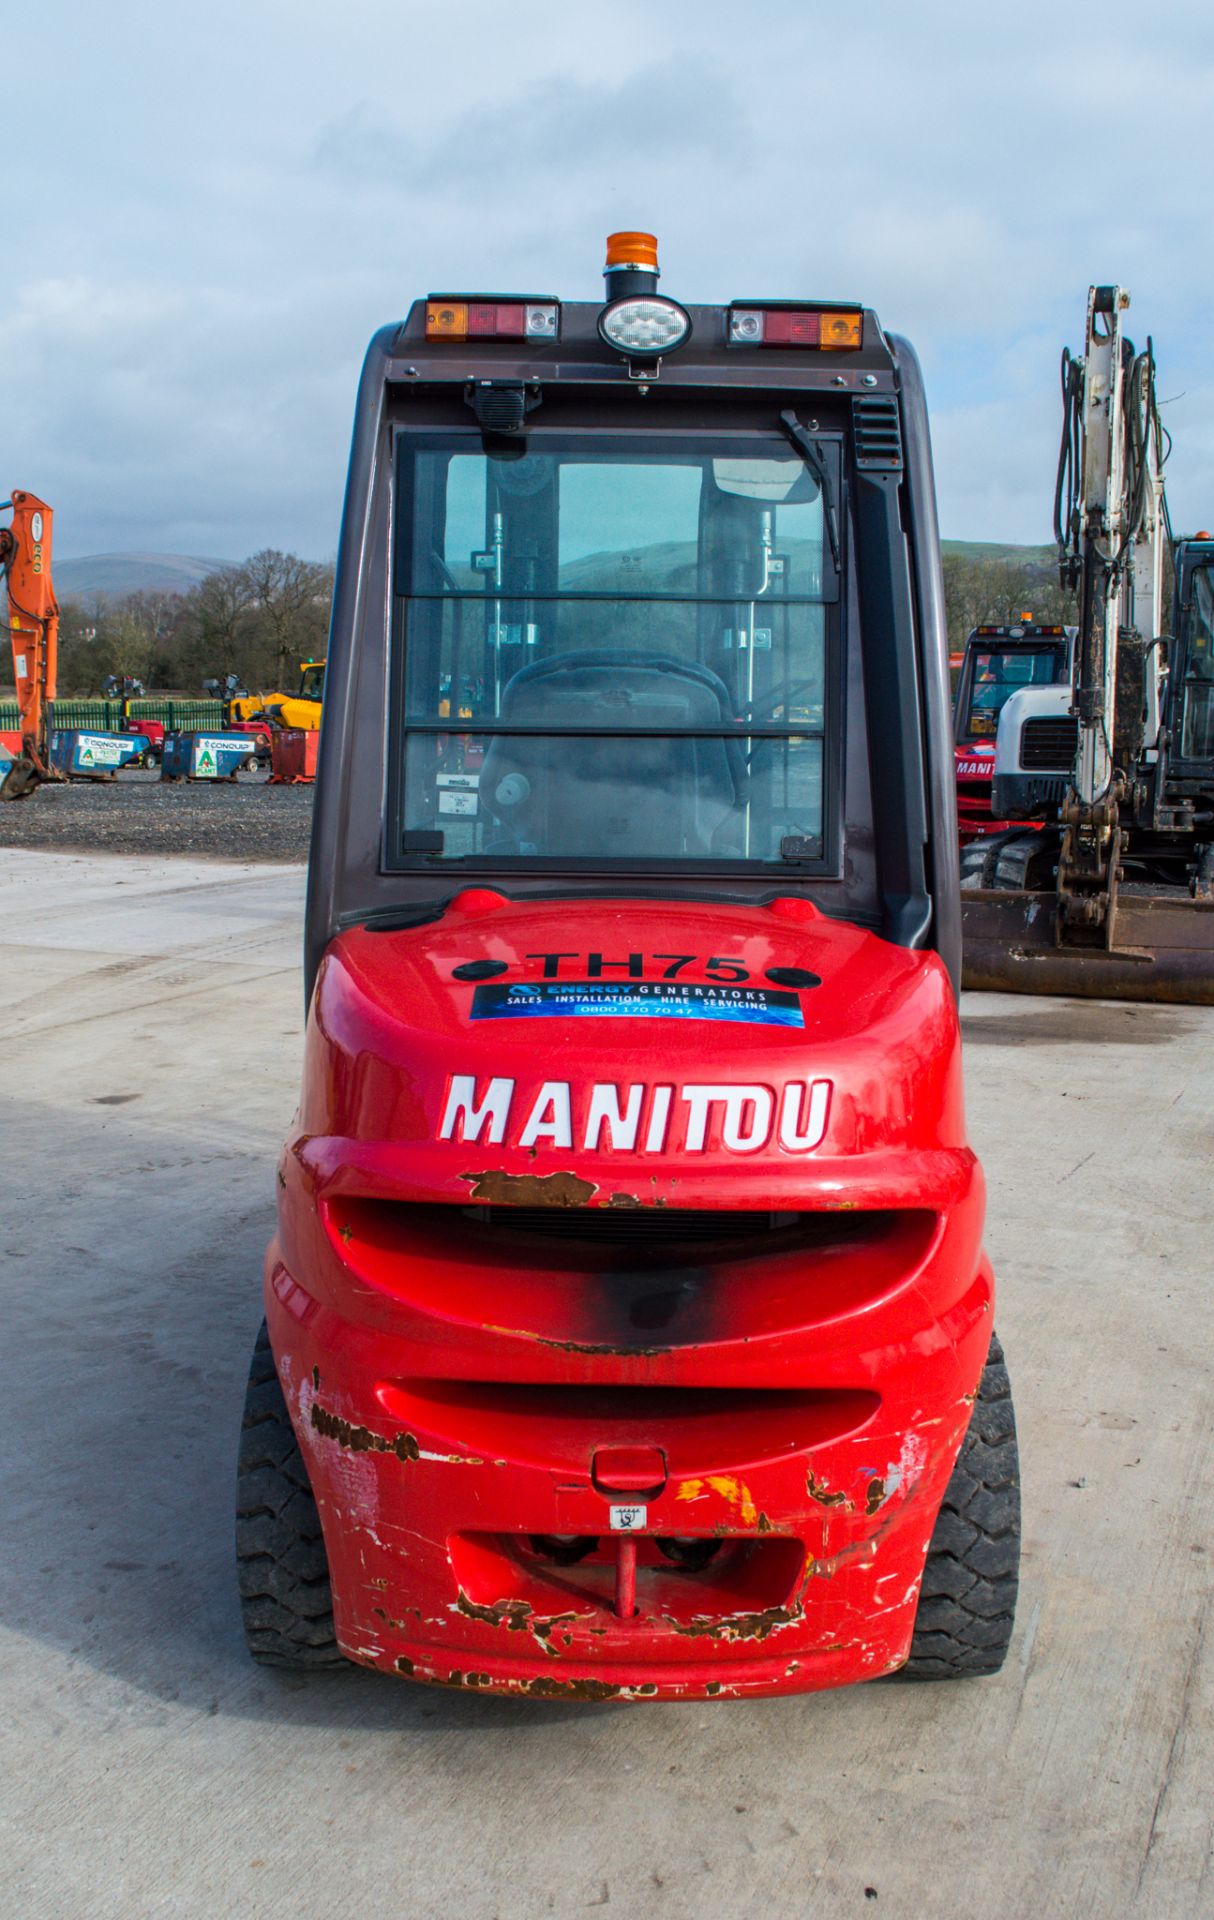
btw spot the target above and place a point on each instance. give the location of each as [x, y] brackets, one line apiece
[628, 1519]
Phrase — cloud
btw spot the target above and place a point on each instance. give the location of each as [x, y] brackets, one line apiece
[222, 225]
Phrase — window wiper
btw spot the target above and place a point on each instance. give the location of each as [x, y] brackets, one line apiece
[811, 452]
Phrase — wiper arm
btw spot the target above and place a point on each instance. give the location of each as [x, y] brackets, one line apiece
[811, 452]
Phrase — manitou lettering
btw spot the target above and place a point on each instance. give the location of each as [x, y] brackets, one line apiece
[464, 1112]
[606, 1118]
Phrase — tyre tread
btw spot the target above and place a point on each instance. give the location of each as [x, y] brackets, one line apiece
[286, 1595]
[967, 1602]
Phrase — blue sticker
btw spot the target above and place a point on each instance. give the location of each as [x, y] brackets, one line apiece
[632, 1000]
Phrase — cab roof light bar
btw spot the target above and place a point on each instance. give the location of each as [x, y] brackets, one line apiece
[779, 324]
[1017, 632]
[468, 316]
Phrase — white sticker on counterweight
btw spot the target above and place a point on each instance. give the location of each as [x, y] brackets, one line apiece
[628, 1519]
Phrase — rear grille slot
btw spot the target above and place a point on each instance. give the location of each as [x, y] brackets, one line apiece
[608, 1282]
[878, 434]
[670, 1236]
[1049, 745]
[630, 1225]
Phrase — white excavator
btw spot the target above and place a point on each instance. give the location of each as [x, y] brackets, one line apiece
[1106, 890]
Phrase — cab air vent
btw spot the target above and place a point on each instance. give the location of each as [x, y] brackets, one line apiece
[878, 435]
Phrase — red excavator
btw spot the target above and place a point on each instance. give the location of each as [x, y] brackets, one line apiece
[33, 625]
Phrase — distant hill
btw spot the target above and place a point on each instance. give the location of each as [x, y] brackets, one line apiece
[997, 550]
[113, 575]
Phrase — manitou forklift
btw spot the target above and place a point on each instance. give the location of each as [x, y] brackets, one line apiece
[628, 1328]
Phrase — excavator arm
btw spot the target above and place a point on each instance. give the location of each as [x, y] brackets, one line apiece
[1113, 895]
[33, 626]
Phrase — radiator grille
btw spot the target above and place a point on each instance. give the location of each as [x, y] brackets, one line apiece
[1049, 745]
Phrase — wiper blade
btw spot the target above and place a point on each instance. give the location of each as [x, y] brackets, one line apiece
[814, 458]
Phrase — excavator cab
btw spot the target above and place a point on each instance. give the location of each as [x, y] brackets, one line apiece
[628, 1329]
[998, 663]
[1191, 681]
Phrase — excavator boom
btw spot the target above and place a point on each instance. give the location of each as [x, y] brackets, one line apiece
[1112, 895]
[33, 624]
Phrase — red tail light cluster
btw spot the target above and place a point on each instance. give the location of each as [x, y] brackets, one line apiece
[491, 319]
[826, 328]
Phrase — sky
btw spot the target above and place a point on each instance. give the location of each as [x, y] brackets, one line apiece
[208, 211]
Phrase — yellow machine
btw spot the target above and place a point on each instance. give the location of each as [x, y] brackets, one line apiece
[301, 710]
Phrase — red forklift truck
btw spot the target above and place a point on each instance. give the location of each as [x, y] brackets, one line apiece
[628, 1328]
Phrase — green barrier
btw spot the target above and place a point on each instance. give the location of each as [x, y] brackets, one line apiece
[90, 716]
[179, 716]
[105, 716]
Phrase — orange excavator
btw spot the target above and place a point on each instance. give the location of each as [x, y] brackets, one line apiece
[33, 626]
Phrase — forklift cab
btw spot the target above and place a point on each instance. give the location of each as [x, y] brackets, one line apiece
[627, 1310]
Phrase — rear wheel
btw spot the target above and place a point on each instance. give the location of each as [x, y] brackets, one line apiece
[286, 1601]
[967, 1602]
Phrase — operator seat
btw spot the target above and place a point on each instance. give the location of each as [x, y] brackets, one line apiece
[615, 795]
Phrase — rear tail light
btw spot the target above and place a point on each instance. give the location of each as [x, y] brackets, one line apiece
[829, 329]
[492, 319]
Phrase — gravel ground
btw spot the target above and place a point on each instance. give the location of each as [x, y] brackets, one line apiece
[245, 819]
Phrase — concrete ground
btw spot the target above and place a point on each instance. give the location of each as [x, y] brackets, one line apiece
[151, 1026]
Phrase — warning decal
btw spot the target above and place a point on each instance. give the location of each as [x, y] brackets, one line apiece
[640, 999]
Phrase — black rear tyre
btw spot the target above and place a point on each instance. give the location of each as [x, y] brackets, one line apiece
[967, 1603]
[286, 1600]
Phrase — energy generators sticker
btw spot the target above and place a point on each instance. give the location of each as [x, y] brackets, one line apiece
[640, 999]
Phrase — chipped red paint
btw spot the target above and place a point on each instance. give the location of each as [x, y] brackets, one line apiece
[452, 1382]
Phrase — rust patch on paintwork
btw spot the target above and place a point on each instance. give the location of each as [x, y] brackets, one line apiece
[876, 1497]
[316, 1379]
[456, 1678]
[345, 1233]
[397, 1626]
[573, 1346]
[543, 1629]
[404, 1665]
[818, 1492]
[547, 1687]
[739, 1626]
[531, 1189]
[513, 1614]
[361, 1439]
[582, 1346]
[713, 1688]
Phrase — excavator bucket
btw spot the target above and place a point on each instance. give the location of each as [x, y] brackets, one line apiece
[1164, 950]
[22, 778]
